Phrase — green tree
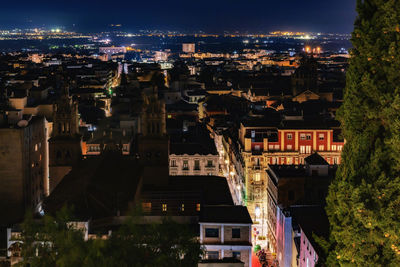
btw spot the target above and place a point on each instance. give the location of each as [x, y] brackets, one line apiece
[50, 242]
[363, 204]
[55, 241]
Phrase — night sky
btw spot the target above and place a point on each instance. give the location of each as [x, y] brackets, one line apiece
[185, 15]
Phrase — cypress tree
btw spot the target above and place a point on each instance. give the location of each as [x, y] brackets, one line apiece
[363, 204]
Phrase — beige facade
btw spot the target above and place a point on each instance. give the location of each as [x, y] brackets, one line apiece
[193, 165]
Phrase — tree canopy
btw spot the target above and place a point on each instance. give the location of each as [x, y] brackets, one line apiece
[55, 241]
[363, 204]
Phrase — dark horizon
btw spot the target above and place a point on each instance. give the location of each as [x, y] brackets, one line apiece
[252, 16]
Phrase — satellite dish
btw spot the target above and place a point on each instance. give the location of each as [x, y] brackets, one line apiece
[22, 123]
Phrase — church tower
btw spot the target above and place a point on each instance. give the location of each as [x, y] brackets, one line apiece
[153, 142]
[306, 76]
[65, 148]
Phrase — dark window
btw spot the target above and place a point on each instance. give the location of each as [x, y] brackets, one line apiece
[212, 232]
[236, 254]
[197, 165]
[235, 232]
[58, 154]
[209, 163]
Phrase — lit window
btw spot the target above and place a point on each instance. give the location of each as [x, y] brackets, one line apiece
[333, 147]
[198, 207]
[321, 136]
[321, 148]
[303, 136]
[36, 147]
[335, 160]
[257, 177]
[276, 147]
[164, 207]
[212, 255]
[185, 165]
[289, 147]
[339, 148]
[146, 207]
[183, 207]
[308, 149]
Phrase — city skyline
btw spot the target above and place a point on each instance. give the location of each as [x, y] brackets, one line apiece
[254, 16]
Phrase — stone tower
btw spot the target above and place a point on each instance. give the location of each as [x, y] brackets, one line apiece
[306, 76]
[65, 148]
[152, 141]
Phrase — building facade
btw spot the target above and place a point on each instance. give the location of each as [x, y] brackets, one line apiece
[225, 232]
[193, 164]
[263, 146]
[23, 168]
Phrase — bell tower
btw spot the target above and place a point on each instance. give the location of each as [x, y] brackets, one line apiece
[65, 149]
[152, 141]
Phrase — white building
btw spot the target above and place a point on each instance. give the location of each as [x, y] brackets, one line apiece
[111, 50]
[196, 164]
[225, 231]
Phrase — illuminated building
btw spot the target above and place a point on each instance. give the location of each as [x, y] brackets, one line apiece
[303, 185]
[225, 231]
[288, 144]
[188, 48]
[161, 56]
[193, 154]
[111, 50]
